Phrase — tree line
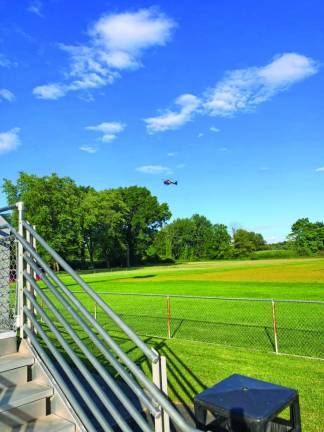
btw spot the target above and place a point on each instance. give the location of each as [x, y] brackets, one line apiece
[128, 226]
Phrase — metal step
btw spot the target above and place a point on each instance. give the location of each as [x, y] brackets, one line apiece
[14, 369]
[16, 396]
[50, 423]
[16, 417]
[8, 342]
[14, 361]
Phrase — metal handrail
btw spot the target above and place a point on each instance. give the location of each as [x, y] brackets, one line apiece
[151, 388]
[155, 393]
[50, 365]
[132, 366]
[100, 393]
[8, 208]
[102, 371]
[150, 354]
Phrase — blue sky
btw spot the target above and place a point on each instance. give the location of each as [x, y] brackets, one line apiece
[226, 97]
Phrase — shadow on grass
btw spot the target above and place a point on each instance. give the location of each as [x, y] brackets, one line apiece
[183, 383]
[269, 334]
[109, 281]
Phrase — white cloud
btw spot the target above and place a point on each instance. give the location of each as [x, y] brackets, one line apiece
[109, 130]
[5, 62]
[107, 127]
[172, 120]
[36, 7]
[88, 149]
[214, 129]
[200, 135]
[108, 137]
[154, 169]
[287, 69]
[50, 91]
[9, 140]
[243, 89]
[116, 42]
[320, 169]
[6, 95]
[171, 154]
[132, 32]
[181, 165]
[223, 149]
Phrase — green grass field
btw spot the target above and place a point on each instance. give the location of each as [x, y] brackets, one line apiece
[194, 364]
[233, 323]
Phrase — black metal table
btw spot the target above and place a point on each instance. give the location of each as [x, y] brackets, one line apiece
[240, 404]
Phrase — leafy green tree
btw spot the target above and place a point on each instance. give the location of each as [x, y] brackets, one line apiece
[144, 215]
[52, 204]
[111, 241]
[245, 242]
[80, 223]
[307, 237]
[222, 242]
[192, 239]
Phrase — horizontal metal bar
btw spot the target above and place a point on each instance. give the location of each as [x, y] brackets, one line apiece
[62, 384]
[112, 360]
[110, 341]
[151, 388]
[97, 365]
[8, 208]
[124, 327]
[204, 297]
[102, 396]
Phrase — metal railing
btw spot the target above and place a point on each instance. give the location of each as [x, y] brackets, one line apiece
[72, 343]
[283, 326]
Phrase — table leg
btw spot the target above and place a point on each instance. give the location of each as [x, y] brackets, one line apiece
[295, 415]
[200, 415]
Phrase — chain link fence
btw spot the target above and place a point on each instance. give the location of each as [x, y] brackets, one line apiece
[283, 326]
[8, 266]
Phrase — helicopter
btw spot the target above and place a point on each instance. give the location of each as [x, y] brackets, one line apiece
[169, 182]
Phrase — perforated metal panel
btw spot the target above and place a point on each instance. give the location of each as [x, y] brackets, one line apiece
[8, 264]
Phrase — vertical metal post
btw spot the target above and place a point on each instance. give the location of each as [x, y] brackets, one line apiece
[169, 316]
[34, 244]
[32, 241]
[28, 269]
[160, 379]
[95, 310]
[274, 322]
[20, 272]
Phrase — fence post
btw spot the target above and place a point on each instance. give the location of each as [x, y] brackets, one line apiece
[274, 322]
[169, 316]
[20, 273]
[160, 379]
[95, 310]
